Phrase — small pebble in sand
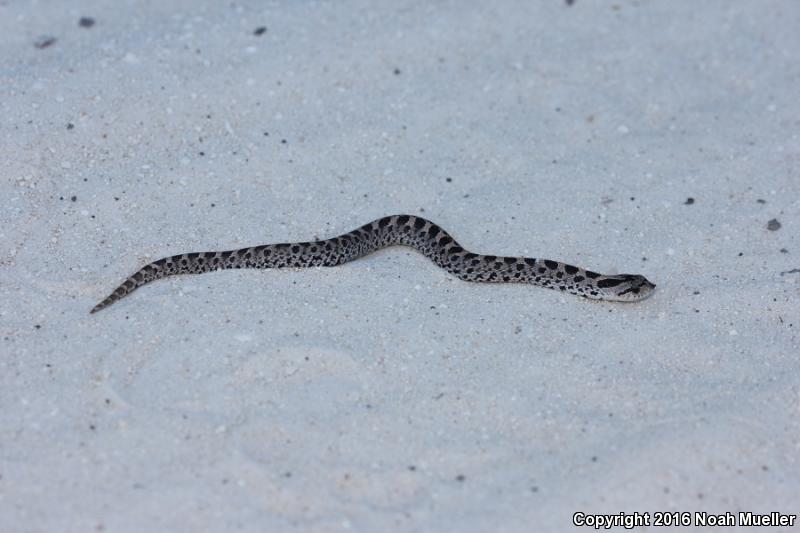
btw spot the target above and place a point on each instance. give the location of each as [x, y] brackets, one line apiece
[86, 22]
[569, 2]
[397, 72]
[261, 30]
[773, 225]
[70, 126]
[43, 41]
[761, 201]
[689, 201]
[74, 198]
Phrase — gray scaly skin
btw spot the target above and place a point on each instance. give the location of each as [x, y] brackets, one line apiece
[423, 235]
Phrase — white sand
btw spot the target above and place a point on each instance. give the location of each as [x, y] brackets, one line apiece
[385, 394]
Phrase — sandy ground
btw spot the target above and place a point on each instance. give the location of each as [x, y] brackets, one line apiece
[646, 137]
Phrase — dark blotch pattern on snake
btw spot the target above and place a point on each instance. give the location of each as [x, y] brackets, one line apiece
[407, 230]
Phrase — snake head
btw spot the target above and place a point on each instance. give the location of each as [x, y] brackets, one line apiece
[624, 287]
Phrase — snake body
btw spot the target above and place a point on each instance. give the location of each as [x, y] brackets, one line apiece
[407, 230]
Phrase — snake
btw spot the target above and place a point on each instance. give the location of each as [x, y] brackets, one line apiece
[405, 230]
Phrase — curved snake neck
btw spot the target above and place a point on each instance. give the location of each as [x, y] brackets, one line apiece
[407, 230]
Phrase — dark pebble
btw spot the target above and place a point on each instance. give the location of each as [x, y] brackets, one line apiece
[773, 225]
[761, 201]
[569, 2]
[43, 41]
[86, 22]
[261, 30]
[74, 198]
[460, 477]
[689, 201]
[784, 251]
[397, 72]
[70, 126]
